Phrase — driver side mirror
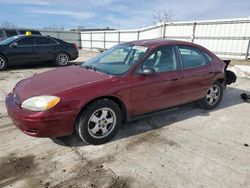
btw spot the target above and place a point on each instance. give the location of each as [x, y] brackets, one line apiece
[146, 71]
[14, 45]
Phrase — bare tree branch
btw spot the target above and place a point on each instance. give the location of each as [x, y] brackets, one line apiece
[80, 27]
[54, 28]
[161, 16]
[7, 24]
[62, 28]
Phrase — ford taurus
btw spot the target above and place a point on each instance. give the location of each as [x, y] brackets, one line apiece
[127, 81]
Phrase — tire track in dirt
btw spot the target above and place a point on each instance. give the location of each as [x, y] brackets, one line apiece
[15, 168]
[94, 172]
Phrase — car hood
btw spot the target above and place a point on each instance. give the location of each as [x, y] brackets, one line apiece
[58, 80]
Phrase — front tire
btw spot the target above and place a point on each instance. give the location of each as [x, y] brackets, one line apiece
[3, 63]
[213, 96]
[99, 122]
[62, 59]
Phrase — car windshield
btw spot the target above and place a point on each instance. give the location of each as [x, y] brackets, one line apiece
[116, 60]
[8, 40]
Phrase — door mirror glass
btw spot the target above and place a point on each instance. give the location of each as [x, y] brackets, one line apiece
[146, 71]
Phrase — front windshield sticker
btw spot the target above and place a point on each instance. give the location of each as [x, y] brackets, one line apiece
[141, 48]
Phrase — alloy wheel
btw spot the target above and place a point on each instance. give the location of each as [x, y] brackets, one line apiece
[2, 63]
[213, 95]
[63, 59]
[101, 122]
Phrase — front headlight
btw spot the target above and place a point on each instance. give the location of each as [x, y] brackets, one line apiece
[40, 103]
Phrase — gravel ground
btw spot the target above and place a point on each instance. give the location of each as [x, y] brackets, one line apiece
[182, 147]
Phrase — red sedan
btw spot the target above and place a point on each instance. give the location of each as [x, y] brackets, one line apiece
[122, 83]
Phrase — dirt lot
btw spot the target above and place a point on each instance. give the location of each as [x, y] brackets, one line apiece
[182, 147]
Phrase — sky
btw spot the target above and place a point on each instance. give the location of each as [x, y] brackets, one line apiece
[119, 14]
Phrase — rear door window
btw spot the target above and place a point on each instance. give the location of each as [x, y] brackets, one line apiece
[43, 41]
[10, 33]
[29, 41]
[192, 57]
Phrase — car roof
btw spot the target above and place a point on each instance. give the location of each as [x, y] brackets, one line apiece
[159, 42]
[33, 35]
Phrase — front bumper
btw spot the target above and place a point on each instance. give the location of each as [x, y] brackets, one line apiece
[40, 124]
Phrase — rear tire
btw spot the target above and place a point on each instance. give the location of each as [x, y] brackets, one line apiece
[99, 122]
[62, 59]
[3, 63]
[213, 96]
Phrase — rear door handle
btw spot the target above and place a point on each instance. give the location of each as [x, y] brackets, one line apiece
[174, 79]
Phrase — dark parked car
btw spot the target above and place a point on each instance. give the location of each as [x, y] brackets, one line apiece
[120, 84]
[35, 48]
[6, 33]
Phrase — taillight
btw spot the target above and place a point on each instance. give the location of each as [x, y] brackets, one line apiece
[74, 45]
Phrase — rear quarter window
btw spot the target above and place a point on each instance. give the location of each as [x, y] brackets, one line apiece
[53, 41]
[209, 58]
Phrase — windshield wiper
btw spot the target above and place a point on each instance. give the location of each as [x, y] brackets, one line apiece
[89, 67]
[94, 69]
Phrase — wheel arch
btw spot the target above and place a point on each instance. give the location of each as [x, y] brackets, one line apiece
[117, 100]
[222, 81]
[63, 51]
[5, 57]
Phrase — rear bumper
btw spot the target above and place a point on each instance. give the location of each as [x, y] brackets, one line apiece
[74, 55]
[40, 124]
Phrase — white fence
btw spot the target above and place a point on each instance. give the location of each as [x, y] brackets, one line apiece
[227, 38]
